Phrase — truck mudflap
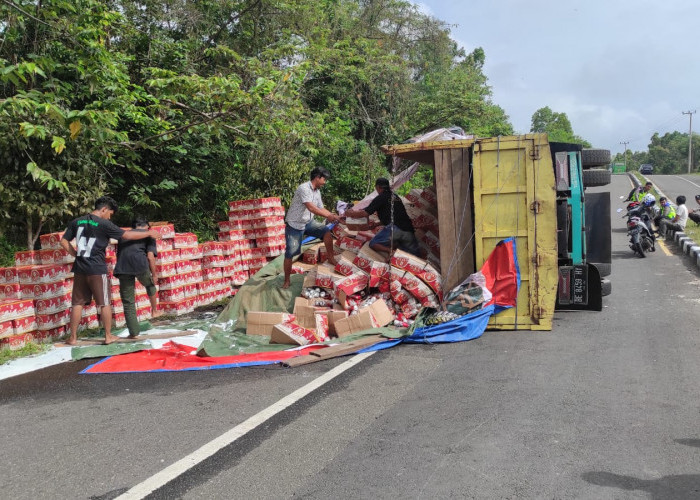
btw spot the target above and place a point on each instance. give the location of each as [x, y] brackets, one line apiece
[579, 288]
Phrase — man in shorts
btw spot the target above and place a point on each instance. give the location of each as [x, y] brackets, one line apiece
[398, 229]
[92, 233]
[300, 221]
[136, 259]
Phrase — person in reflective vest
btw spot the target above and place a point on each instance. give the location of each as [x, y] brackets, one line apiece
[668, 211]
[637, 194]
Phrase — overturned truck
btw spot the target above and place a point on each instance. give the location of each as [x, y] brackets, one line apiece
[535, 191]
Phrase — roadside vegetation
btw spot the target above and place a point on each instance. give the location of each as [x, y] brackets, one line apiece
[30, 349]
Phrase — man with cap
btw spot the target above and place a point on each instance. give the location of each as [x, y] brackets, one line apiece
[398, 230]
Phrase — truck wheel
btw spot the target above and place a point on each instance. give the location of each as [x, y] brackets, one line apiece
[596, 177]
[606, 287]
[604, 268]
[595, 157]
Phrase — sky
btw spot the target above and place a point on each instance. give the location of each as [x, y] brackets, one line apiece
[621, 70]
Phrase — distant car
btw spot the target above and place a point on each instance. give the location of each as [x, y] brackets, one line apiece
[646, 169]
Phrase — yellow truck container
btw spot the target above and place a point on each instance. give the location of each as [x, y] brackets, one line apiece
[494, 188]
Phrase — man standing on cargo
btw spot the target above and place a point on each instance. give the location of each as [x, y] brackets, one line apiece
[92, 233]
[136, 259]
[300, 221]
[398, 229]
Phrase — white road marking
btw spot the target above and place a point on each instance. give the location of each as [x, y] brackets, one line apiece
[689, 181]
[158, 480]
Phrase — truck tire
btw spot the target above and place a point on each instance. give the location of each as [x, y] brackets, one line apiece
[596, 177]
[595, 157]
[604, 268]
[606, 287]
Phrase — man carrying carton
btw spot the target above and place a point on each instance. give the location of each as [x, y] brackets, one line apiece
[92, 233]
[300, 221]
[398, 230]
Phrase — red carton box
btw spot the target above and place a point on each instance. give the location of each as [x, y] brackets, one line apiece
[165, 270]
[55, 256]
[173, 295]
[163, 245]
[168, 256]
[53, 304]
[54, 320]
[15, 308]
[185, 240]
[33, 275]
[51, 240]
[10, 291]
[211, 248]
[167, 231]
[8, 275]
[27, 258]
[24, 325]
[290, 333]
[6, 328]
[14, 342]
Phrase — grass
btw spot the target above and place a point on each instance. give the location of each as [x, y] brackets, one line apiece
[30, 349]
[692, 230]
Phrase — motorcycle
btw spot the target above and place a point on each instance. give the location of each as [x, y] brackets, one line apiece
[639, 229]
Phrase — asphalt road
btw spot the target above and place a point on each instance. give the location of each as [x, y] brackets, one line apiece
[604, 406]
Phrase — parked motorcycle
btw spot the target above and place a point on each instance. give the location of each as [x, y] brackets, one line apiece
[639, 228]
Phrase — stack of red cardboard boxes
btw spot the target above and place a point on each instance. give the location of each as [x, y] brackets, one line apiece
[364, 289]
[186, 278]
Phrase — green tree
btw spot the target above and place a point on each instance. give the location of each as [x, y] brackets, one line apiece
[556, 125]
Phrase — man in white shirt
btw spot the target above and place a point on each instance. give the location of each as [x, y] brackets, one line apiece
[300, 221]
[678, 222]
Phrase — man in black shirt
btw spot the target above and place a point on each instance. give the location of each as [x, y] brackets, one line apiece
[92, 233]
[136, 259]
[400, 234]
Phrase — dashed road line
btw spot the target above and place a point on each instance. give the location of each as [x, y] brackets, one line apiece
[171, 472]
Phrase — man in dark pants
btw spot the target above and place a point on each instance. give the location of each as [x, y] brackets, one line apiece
[92, 233]
[136, 259]
[398, 229]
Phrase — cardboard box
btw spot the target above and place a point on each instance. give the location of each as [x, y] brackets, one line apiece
[27, 258]
[46, 290]
[299, 267]
[6, 328]
[24, 325]
[353, 283]
[311, 254]
[358, 224]
[419, 268]
[344, 264]
[168, 256]
[10, 291]
[167, 231]
[372, 263]
[261, 323]
[8, 275]
[14, 342]
[349, 243]
[51, 240]
[326, 277]
[54, 320]
[53, 304]
[185, 240]
[333, 316]
[163, 245]
[55, 256]
[376, 315]
[290, 333]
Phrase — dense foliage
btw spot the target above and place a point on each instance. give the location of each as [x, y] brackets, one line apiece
[557, 127]
[175, 107]
[667, 153]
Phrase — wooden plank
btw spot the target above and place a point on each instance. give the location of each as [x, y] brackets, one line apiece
[446, 217]
[464, 260]
[334, 351]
